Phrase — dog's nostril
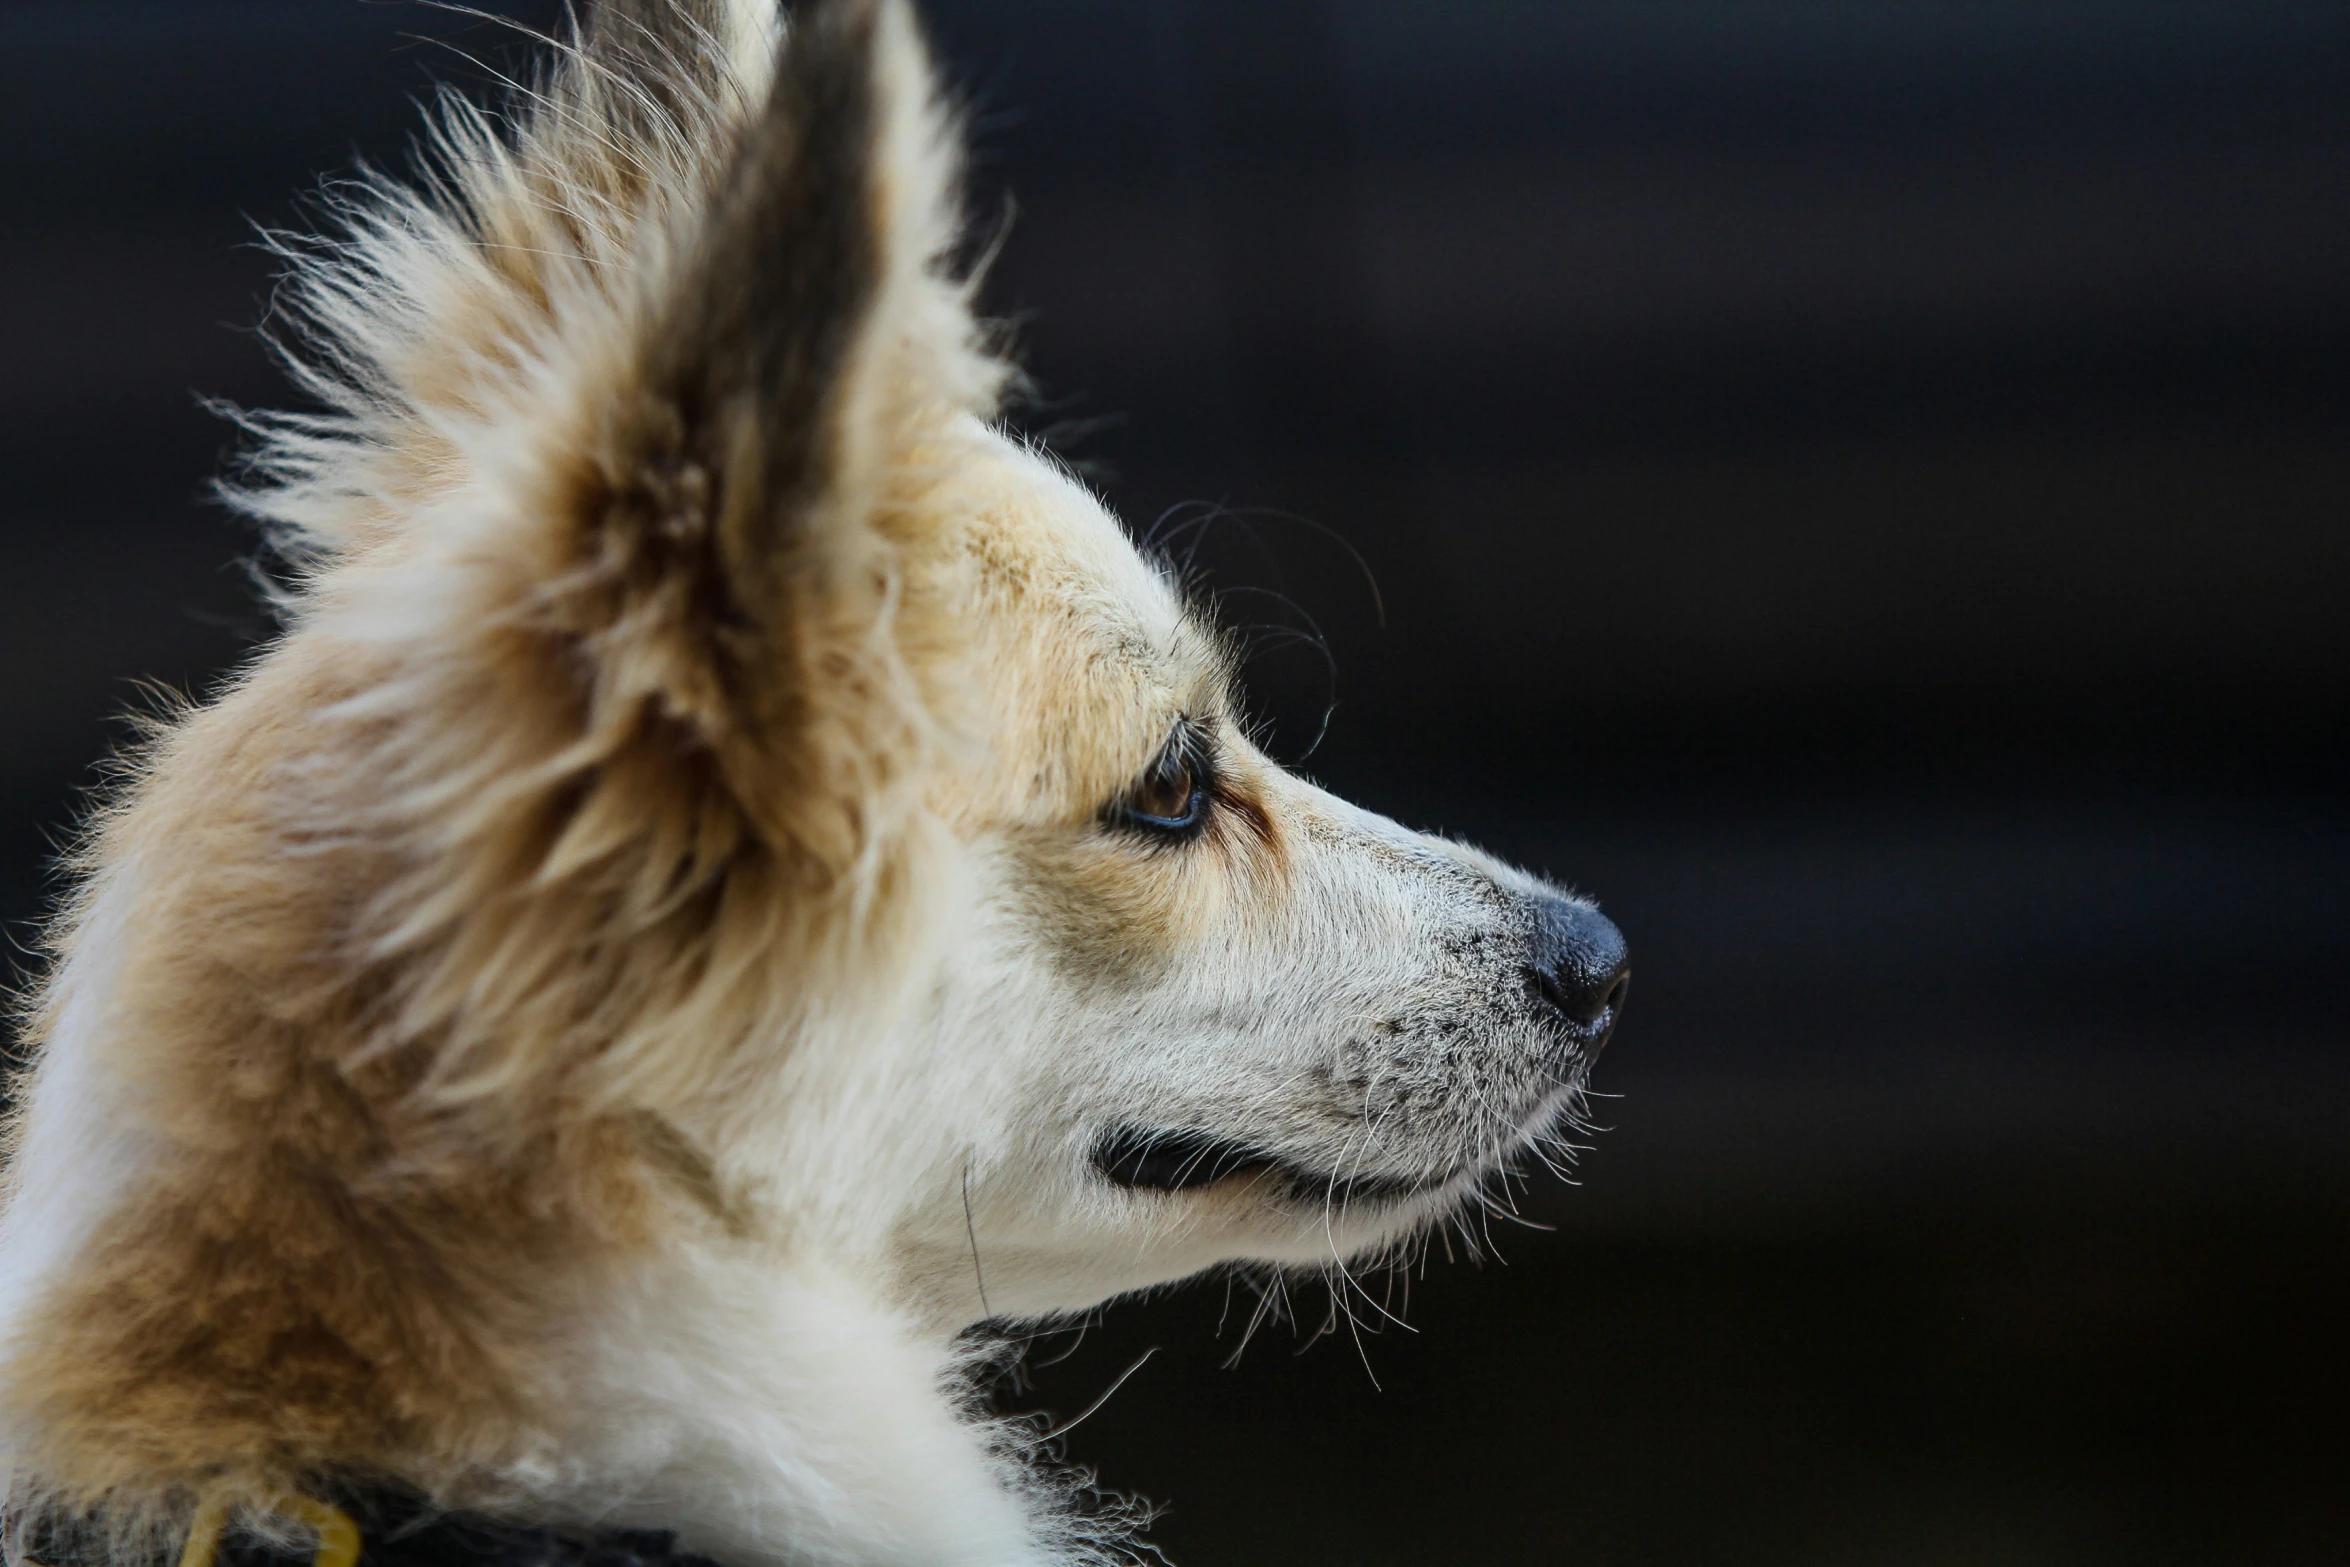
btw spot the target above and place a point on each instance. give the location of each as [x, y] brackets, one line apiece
[1580, 964]
[1580, 1001]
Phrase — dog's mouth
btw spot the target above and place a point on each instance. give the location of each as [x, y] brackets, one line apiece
[1174, 1159]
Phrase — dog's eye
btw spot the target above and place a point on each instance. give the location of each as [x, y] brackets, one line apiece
[1172, 798]
[1170, 795]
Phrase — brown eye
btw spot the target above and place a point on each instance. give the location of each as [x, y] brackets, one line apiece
[1169, 795]
[1173, 797]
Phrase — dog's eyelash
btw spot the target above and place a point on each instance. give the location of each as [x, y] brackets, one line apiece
[1174, 798]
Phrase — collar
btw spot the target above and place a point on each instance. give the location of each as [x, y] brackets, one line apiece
[382, 1527]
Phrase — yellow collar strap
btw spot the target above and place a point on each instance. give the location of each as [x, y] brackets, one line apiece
[338, 1535]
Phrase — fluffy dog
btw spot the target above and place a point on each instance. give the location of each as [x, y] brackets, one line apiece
[733, 871]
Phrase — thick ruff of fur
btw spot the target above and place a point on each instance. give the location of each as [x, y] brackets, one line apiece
[570, 1028]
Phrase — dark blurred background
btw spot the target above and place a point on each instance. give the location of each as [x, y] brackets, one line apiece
[1858, 485]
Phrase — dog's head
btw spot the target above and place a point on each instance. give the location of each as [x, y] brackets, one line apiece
[763, 748]
[1189, 1007]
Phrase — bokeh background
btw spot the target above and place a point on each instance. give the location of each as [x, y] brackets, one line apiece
[1860, 486]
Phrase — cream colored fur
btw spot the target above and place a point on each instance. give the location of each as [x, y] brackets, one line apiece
[650, 953]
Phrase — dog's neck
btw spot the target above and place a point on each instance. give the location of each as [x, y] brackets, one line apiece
[774, 1416]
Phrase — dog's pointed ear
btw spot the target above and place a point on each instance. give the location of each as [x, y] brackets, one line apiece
[793, 359]
[811, 324]
[625, 516]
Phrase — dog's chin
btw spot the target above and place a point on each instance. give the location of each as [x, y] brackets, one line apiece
[1184, 1159]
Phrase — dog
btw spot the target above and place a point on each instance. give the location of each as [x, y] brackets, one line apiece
[733, 882]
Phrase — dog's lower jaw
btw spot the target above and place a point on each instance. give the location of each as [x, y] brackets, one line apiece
[1005, 1268]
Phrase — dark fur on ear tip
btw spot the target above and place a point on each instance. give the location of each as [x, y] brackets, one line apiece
[791, 267]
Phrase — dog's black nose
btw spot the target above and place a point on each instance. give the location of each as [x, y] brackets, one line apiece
[1581, 967]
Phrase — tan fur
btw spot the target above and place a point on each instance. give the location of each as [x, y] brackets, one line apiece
[430, 912]
[562, 1027]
